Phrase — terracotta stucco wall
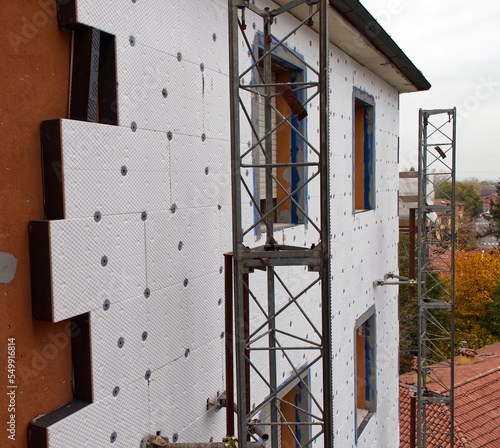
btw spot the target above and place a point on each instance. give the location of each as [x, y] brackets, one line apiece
[34, 71]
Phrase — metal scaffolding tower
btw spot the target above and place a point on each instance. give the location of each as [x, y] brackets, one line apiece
[435, 278]
[265, 342]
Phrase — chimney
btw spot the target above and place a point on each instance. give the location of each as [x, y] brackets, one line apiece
[467, 355]
[425, 368]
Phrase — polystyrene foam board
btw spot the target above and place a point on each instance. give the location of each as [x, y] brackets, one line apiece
[94, 178]
[115, 364]
[176, 313]
[181, 246]
[94, 146]
[194, 190]
[179, 393]
[80, 282]
[179, 117]
[194, 154]
[94, 425]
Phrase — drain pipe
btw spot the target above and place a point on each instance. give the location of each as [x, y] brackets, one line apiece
[231, 407]
[413, 416]
[411, 254]
[229, 332]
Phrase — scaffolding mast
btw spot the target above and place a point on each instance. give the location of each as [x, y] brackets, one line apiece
[435, 278]
[280, 340]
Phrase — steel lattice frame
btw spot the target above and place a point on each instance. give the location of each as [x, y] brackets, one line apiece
[272, 257]
[436, 262]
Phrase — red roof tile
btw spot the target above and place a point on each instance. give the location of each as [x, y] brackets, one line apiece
[477, 404]
[477, 410]
[438, 421]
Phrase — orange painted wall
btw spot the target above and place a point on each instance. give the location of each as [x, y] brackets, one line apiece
[34, 78]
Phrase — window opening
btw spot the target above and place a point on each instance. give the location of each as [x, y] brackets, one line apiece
[364, 151]
[365, 371]
[287, 145]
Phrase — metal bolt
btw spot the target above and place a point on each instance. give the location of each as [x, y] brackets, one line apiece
[113, 437]
[186, 281]
[206, 170]
[144, 216]
[106, 304]
[147, 293]
[214, 37]
[133, 126]
[169, 135]
[219, 206]
[144, 335]
[219, 302]
[179, 56]
[203, 137]
[202, 67]
[222, 335]
[104, 261]
[164, 93]
[221, 269]
[186, 353]
[124, 170]
[175, 437]
[97, 216]
[116, 391]
[179, 246]
[147, 376]
[131, 40]
[121, 342]
[173, 208]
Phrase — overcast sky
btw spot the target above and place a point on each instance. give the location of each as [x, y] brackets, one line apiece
[456, 45]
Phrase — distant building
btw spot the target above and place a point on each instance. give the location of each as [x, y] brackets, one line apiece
[408, 196]
[487, 200]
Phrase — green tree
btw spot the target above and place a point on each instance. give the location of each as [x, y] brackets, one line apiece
[463, 193]
[495, 213]
[408, 311]
[491, 321]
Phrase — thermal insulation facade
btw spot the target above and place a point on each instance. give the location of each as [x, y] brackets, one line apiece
[142, 217]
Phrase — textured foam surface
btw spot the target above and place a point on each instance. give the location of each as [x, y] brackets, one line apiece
[173, 89]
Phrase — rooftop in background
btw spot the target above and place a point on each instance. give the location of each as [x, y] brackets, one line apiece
[477, 402]
[375, 50]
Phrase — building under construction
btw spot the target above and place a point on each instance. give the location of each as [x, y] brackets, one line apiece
[201, 202]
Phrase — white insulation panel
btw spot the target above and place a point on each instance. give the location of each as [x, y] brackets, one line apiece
[165, 223]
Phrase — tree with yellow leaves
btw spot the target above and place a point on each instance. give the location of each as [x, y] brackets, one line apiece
[477, 276]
